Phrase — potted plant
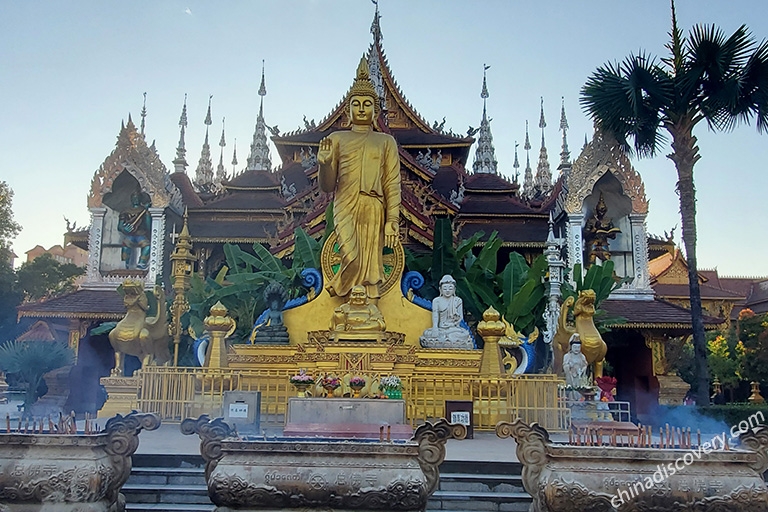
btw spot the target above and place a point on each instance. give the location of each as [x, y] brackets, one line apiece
[392, 386]
[356, 384]
[330, 383]
[302, 381]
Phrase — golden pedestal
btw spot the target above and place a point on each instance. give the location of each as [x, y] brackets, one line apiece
[122, 395]
[319, 350]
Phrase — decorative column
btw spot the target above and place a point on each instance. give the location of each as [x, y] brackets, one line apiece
[156, 246]
[491, 328]
[642, 279]
[182, 261]
[220, 326]
[93, 273]
[74, 336]
[575, 240]
[556, 266]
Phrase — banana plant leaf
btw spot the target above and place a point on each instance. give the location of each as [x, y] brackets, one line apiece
[513, 276]
[306, 252]
[444, 259]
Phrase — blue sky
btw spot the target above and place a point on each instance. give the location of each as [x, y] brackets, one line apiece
[70, 72]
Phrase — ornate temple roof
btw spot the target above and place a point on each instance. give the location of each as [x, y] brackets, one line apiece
[253, 180]
[653, 314]
[93, 304]
[187, 190]
[757, 300]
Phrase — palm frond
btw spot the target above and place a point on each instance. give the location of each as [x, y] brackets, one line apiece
[628, 100]
[752, 99]
[711, 83]
[675, 46]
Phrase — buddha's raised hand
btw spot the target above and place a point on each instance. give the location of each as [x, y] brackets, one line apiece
[324, 151]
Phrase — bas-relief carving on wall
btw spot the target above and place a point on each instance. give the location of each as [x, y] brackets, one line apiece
[603, 155]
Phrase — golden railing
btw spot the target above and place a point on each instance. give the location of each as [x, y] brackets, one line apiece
[533, 398]
[177, 393]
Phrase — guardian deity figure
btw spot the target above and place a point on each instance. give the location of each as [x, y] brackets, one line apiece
[362, 168]
[597, 231]
[135, 224]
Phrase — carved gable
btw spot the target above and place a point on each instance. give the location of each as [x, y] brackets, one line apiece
[603, 155]
[132, 155]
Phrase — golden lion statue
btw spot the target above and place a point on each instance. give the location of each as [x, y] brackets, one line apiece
[137, 335]
[592, 345]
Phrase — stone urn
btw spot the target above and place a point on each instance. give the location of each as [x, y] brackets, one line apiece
[565, 478]
[70, 472]
[250, 474]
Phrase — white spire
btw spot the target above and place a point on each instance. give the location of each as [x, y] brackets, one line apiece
[259, 159]
[528, 176]
[143, 114]
[221, 173]
[485, 154]
[516, 165]
[234, 159]
[565, 154]
[376, 24]
[180, 162]
[543, 181]
[204, 171]
[374, 64]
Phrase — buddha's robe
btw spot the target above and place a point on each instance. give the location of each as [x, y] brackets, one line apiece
[367, 194]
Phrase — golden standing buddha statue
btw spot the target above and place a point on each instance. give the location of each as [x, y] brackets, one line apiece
[362, 168]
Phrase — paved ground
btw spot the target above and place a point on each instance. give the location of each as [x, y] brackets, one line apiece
[484, 447]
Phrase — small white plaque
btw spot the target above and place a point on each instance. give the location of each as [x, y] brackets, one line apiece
[460, 417]
[238, 410]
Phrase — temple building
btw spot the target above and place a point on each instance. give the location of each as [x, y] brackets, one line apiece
[596, 203]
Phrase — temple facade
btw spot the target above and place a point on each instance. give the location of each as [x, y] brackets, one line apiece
[594, 205]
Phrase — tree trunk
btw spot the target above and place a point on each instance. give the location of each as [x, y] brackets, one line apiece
[685, 155]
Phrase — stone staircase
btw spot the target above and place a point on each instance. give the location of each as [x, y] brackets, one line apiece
[167, 483]
[486, 486]
[177, 483]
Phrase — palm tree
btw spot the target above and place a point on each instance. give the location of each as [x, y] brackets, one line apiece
[31, 360]
[707, 77]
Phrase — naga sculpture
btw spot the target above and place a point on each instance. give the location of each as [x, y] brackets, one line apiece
[592, 345]
[137, 335]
